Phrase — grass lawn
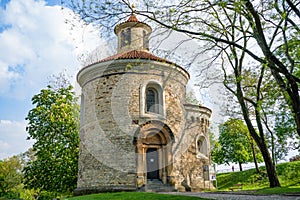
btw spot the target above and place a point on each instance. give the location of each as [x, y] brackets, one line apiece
[288, 174]
[280, 190]
[132, 196]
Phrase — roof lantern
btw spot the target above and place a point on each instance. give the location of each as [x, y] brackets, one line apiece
[133, 35]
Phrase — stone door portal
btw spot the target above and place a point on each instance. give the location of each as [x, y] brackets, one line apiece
[152, 163]
[153, 142]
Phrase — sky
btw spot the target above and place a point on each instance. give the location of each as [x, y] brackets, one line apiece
[35, 43]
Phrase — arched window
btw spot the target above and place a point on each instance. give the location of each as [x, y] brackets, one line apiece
[193, 119]
[145, 40]
[201, 146]
[152, 102]
[125, 37]
[152, 99]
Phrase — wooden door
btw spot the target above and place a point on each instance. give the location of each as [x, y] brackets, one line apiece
[152, 163]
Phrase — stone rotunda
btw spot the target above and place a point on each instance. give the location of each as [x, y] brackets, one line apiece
[136, 131]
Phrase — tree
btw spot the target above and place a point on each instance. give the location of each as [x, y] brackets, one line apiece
[10, 176]
[228, 27]
[274, 29]
[191, 98]
[54, 125]
[278, 125]
[234, 144]
[285, 137]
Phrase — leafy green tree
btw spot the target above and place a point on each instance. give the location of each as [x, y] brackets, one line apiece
[279, 127]
[234, 144]
[54, 125]
[227, 27]
[10, 176]
[273, 29]
[285, 138]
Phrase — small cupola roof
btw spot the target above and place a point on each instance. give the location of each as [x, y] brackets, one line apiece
[132, 18]
[133, 35]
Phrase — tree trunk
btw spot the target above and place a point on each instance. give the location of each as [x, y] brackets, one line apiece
[273, 148]
[289, 87]
[254, 157]
[272, 143]
[271, 170]
[240, 165]
[291, 96]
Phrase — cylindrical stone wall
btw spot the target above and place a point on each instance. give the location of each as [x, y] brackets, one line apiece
[111, 113]
[190, 158]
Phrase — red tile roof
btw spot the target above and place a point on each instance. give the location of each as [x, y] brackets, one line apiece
[133, 21]
[132, 18]
[135, 54]
[138, 54]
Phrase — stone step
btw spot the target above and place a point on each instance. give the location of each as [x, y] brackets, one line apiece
[158, 186]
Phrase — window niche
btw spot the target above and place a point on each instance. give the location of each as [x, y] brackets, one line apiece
[152, 100]
[192, 119]
[145, 40]
[125, 37]
[201, 147]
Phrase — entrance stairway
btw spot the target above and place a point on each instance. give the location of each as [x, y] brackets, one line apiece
[156, 185]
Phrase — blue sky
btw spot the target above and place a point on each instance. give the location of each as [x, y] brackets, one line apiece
[35, 42]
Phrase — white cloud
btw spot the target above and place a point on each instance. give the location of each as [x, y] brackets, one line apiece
[13, 138]
[4, 146]
[37, 43]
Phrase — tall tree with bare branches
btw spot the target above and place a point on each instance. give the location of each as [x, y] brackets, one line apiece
[259, 37]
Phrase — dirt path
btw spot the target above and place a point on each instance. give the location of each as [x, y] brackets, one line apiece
[236, 196]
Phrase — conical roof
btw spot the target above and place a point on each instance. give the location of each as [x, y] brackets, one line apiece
[132, 21]
[132, 18]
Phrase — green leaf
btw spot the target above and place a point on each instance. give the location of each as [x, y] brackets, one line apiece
[54, 125]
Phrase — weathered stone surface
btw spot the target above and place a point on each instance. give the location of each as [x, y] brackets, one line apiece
[117, 130]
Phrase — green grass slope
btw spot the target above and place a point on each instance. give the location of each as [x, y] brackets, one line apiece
[288, 174]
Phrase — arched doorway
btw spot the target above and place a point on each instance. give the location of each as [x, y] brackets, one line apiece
[153, 142]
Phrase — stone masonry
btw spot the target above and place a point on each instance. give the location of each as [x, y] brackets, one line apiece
[135, 123]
